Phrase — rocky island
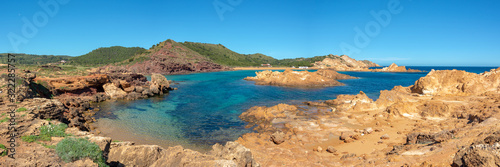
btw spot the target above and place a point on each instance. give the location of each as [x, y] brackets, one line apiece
[320, 78]
[345, 63]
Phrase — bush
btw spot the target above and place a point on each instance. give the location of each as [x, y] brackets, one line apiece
[4, 120]
[72, 149]
[21, 109]
[4, 153]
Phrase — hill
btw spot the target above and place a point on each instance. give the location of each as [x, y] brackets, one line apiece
[106, 55]
[167, 57]
[224, 56]
[31, 59]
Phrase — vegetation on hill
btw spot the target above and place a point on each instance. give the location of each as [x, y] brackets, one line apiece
[30, 59]
[167, 51]
[299, 61]
[224, 56]
[107, 55]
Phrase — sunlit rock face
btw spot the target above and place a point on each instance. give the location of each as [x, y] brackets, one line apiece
[320, 78]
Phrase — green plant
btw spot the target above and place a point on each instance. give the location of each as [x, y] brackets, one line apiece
[4, 153]
[72, 149]
[46, 132]
[29, 138]
[115, 141]
[21, 109]
[46, 146]
[4, 120]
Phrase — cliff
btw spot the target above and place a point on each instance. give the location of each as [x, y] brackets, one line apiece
[320, 78]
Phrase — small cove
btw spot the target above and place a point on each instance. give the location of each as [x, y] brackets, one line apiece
[205, 108]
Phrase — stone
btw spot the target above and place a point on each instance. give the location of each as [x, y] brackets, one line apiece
[331, 149]
[159, 80]
[47, 108]
[356, 137]
[384, 137]
[113, 91]
[154, 88]
[134, 96]
[235, 152]
[368, 130]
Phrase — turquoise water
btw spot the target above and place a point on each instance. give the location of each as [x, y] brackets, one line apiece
[205, 108]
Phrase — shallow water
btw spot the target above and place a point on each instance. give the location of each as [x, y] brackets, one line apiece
[205, 108]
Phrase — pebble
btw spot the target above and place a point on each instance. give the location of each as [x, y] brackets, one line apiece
[330, 149]
[385, 137]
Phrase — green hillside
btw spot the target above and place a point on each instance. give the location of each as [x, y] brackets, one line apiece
[299, 61]
[224, 56]
[107, 55]
[29, 59]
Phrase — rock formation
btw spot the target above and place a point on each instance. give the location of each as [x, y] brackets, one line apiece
[430, 123]
[395, 68]
[344, 63]
[320, 78]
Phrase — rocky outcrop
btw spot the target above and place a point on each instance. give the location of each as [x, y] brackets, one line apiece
[262, 116]
[456, 82]
[485, 152]
[320, 78]
[46, 108]
[113, 91]
[83, 85]
[232, 154]
[236, 152]
[395, 68]
[344, 63]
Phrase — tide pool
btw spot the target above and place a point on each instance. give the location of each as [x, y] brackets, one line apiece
[204, 109]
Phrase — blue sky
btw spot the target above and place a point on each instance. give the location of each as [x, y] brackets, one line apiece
[419, 32]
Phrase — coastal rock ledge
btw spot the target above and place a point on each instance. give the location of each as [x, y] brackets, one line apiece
[289, 78]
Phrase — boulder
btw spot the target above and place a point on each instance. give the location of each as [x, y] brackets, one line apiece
[278, 137]
[113, 91]
[47, 108]
[331, 149]
[481, 155]
[160, 80]
[236, 152]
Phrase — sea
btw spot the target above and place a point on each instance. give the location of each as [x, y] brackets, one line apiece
[205, 107]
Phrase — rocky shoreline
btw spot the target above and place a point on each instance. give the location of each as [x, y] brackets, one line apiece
[69, 100]
[447, 118]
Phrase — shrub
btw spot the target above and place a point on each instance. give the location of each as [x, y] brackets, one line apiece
[72, 149]
[46, 132]
[21, 109]
[29, 138]
[4, 120]
[4, 153]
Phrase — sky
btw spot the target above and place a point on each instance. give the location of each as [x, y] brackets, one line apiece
[406, 32]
